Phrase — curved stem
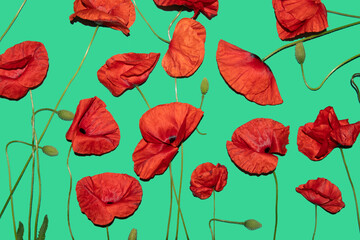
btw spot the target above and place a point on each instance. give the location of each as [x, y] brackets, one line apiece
[181, 176]
[107, 233]
[176, 93]
[201, 103]
[45, 109]
[309, 38]
[162, 39]
[214, 213]
[70, 186]
[276, 204]
[332, 71]
[172, 22]
[170, 210]
[352, 186]
[200, 132]
[147, 103]
[353, 84]
[12, 22]
[343, 14]
[12, 202]
[225, 221]
[315, 222]
[31, 195]
[47, 124]
[178, 201]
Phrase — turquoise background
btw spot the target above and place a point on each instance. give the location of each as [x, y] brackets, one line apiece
[249, 25]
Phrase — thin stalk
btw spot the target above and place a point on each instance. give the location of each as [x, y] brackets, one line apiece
[107, 233]
[332, 71]
[276, 204]
[214, 214]
[352, 186]
[45, 109]
[309, 38]
[70, 186]
[343, 14]
[172, 22]
[225, 221]
[353, 84]
[181, 176]
[47, 125]
[201, 103]
[147, 103]
[315, 222]
[170, 210]
[162, 39]
[12, 22]
[177, 201]
[176, 93]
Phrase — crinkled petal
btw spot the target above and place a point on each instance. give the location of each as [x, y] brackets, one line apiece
[247, 75]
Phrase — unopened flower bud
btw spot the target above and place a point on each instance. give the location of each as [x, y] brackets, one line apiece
[300, 53]
[252, 224]
[204, 87]
[66, 115]
[133, 234]
[50, 151]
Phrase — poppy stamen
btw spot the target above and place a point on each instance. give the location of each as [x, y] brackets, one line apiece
[267, 150]
[172, 139]
[82, 131]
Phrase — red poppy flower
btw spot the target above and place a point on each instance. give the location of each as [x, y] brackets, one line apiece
[207, 7]
[322, 193]
[116, 14]
[186, 49]
[93, 130]
[206, 178]
[246, 74]
[253, 144]
[123, 71]
[316, 140]
[297, 18]
[163, 128]
[22, 67]
[106, 196]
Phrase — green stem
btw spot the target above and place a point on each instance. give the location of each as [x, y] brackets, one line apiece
[332, 71]
[178, 201]
[353, 84]
[315, 222]
[176, 93]
[172, 22]
[225, 221]
[343, 14]
[309, 38]
[276, 204]
[162, 39]
[107, 233]
[214, 214]
[46, 109]
[352, 186]
[12, 202]
[16, 15]
[181, 176]
[47, 125]
[147, 103]
[70, 187]
[202, 100]
[170, 210]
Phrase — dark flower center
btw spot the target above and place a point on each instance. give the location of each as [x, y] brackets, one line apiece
[172, 139]
[267, 150]
[82, 131]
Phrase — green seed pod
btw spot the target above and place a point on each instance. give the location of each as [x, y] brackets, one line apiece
[133, 234]
[66, 115]
[50, 151]
[252, 224]
[300, 53]
[204, 87]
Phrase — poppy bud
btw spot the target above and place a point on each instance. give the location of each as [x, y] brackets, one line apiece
[66, 115]
[50, 151]
[204, 86]
[133, 234]
[300, 53]
[252, 224]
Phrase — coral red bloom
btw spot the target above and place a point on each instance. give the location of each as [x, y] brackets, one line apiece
[106, 196]
[323, 193]
[207, 7]
[163, 128]
[316, 140]
[253, 145]
[186, 49]
[116, 14]
[297, 18]
[206, 178]
[247, 75]
[93, 130]
[22, 67]
[124, 71]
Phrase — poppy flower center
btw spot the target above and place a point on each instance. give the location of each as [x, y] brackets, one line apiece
[172, 139]
[267, 150]
[82, 131]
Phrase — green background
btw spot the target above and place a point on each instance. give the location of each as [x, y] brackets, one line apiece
[249, 25]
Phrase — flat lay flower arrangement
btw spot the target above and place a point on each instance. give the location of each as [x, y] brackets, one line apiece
[173, 119]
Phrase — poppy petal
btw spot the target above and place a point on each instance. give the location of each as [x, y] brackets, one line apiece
[108, 195]
[170, 123]
[322, 193]
[123, 71]
[247, 75]
[93, 130]
[152, 159]
[186, 49]
[254, 143]
[22, 67]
